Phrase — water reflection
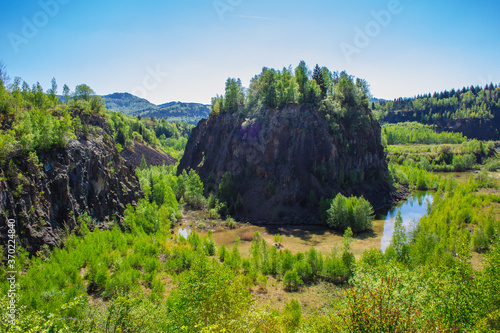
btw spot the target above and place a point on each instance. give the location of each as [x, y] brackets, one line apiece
[412, 210]
[184, 232]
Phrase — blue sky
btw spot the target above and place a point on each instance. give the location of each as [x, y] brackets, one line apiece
[185, 50]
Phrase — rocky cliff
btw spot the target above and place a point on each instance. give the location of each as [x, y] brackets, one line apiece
[47, 196]
[282, 162]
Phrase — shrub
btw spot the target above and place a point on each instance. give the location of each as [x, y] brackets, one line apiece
[479, 240]
[247, 236]
[334, 269]
[231, 223]
[277, 239]
[291, 316]
[223, 253]
[212, 201]
[292, 280]
[208, 293]
[209, 246]
[373, 311]
[262, 281]
[356, 213]
[492, 165]
[213, 214]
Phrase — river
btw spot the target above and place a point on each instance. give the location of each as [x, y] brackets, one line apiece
[324, 239]
[412, 210]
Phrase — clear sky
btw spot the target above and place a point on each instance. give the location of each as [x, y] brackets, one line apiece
[184, 50]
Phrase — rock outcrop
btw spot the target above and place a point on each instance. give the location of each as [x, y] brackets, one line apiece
[152, 156]
[87, 176]
[283, 161]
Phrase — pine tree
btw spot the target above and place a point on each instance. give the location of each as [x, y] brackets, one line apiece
[144, 164]
[317, 74]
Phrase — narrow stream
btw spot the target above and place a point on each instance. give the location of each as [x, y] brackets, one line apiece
[412, 210]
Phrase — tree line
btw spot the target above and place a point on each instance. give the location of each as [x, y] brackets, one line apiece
[465, 103]
[276, 88]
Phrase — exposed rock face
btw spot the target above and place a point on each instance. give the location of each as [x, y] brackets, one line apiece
[152, 156]
[88, 176]
[283, 162]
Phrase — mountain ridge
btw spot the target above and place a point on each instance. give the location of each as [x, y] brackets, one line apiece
[172, 111]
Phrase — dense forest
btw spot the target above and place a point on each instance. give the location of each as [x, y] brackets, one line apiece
[139, 276]
[470, 102]
[473, 111]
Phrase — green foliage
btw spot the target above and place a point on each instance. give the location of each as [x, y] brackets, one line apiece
[292, 280]
[207, 294]
[399, 239]
[424, 283]
[467, 103]
[413, 177]
[416, 133]
[466, 156]
[143, 164]
[231, 223]
[159, 133]
[226, 188]
[444, 231]
[83, 92]
[234, 96]
[274, 89]
[189, 189]
[374, 310]
[277, 239]
[352, 212]
[209, 246]
[291, 316]
[38, 130]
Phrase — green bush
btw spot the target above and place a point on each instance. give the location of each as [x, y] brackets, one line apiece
[292, 280]
[231, 223]
[207, 294]
[209, 246]
[291, 316]
[352, 212]
[334, 269]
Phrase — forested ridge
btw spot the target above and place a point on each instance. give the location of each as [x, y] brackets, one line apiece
[474, 111]
[465, 103]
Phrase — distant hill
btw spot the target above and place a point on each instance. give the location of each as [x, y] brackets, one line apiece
[173, 111]
[127, 103]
